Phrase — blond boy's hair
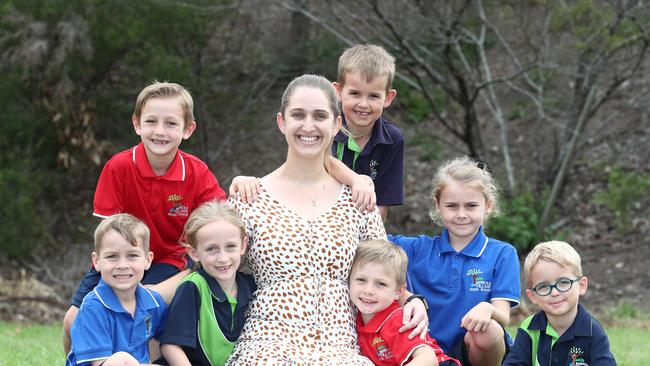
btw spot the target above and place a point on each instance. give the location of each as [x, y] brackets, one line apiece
[556, 251]
[128, 226]
[470, 172]
[207, 213]
[383, 252]
[165, 90]
[369, 60]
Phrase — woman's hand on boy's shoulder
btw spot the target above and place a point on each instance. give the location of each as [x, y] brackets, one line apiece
[247, 187]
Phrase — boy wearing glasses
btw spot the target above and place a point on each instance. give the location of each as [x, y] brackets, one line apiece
[563, 332]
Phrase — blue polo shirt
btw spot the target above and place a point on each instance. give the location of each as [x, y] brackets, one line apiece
[454, 282]
[382, 159]
[182, 326]
[585, 340]
[103, 327]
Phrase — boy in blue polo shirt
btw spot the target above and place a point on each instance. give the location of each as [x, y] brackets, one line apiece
[471, 281]
[372, 146]
[563, 332]
[119, 317]
[206, 315]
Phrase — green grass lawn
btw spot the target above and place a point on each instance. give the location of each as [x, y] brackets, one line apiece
[41, 345]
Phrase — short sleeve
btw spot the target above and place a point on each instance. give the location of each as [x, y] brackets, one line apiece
[601, 355]
[182, 321]
[161, 315]
[520, 352]
[389, 184]
[109, 193]
[90, 332]
[374, 226]
[506, 284]
[410, 244]
[209, 189]
[398, 343]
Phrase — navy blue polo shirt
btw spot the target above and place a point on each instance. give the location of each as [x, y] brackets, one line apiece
[103, 327]
[182, 324]
[382, 159]
[585, 340]
[454, 282]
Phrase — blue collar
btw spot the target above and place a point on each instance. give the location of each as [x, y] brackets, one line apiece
[144, 299]
[379, 135]
[474, 249]
[581, 324]
[243, 290]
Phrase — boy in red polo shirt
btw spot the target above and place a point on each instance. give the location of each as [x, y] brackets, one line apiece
[157, 183]
[377, 280]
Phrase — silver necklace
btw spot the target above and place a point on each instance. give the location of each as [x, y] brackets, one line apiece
[313, 200]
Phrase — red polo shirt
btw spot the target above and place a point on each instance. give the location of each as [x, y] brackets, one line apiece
[381, 341]
[128, 184]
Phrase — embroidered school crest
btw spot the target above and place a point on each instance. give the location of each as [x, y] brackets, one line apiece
[148, 326]
[478, 283]
[576, 359]
[381, 350]
[178, 208]
[373, 166]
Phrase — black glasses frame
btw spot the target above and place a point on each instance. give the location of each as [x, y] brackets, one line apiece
[554, 286]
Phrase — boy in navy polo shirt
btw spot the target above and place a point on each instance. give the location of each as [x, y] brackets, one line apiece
[377, 280]
[206, 315]
[119, 317]
[157, 183]
[373, 146]
[563, 332]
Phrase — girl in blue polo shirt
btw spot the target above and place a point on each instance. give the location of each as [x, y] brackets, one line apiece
[470, 281]
[207, 313]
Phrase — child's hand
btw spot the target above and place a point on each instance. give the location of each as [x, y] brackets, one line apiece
[478, 318]
[363, 193]
[416, 318]
[248, 188]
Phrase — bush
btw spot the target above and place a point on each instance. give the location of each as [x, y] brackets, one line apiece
[624, 194]
[22, 229]
[518, 221]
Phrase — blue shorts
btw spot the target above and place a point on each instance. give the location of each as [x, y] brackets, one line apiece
[157, 273]
[459, 350]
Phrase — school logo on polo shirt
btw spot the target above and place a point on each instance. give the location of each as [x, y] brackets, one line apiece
[178, 208]
[576, 360]
[373, 166]
[478, 283]
[381, 350]
[148, 325]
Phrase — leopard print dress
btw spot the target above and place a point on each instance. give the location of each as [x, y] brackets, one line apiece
[302, 314]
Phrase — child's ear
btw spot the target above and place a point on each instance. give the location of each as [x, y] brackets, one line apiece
[531, 296]
[392, 93]
[149, 260]
[244, 245]
[489, 205]
[95, 258]
[400, 290]
[189, 130]
[584, 283]
[136, 124]
[338, 87]
[191, 251]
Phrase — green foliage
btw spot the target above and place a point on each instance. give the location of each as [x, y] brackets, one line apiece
[625, 192]
[21, 227]
[518, 221]
[428, 145]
